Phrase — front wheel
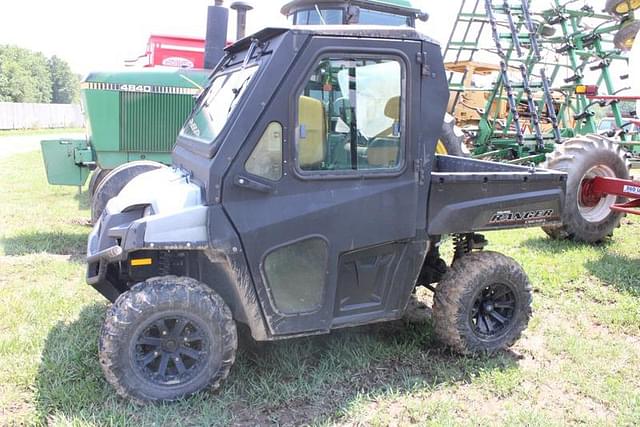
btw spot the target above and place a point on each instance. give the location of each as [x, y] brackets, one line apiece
[167, 338]
[482, 304]
[585, 219]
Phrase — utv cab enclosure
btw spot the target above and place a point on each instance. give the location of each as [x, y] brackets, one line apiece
[305, 196]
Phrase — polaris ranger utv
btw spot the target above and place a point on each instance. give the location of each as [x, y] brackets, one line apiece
[305, 196]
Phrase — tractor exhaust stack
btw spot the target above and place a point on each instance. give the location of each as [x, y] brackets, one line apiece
[217, 26]
[241, 8]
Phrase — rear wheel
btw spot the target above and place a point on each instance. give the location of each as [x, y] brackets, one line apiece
[167, 338]
[482, 304]
[114, 182]
[584, 218]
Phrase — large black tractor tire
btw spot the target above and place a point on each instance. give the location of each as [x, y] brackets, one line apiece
[451, 140]
[620, 7]
[583, 158]
[626, 35]
[97, 177]
[482, 304]
[167, 338]
[115, 181]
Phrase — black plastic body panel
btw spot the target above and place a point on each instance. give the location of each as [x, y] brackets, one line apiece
[472, 195]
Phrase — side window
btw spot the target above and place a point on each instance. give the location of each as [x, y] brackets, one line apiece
[350, 116]
[266, 158]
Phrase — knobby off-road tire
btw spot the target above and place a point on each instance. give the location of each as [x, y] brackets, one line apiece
[158, 322]
[451, 140]
[582, 158]
[115, 181]
[482, 304]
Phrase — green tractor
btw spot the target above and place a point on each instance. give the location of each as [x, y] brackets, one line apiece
[133, 116]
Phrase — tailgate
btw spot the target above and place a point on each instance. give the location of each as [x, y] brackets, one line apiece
[469, 195]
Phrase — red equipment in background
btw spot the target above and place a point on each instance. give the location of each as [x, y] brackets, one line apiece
[172, 51]
[596, 188]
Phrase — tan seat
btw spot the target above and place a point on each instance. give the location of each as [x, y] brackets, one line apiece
[384, 149]
[312, 133]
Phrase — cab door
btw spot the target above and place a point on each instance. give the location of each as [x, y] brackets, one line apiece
[327, 195]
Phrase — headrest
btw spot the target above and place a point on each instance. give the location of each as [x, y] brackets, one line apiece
[392, 109]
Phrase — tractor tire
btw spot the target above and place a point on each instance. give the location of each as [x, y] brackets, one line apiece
[585, 157]
[115, 181]
[626, 35]
[451, 140]
[482, 304]
[620, 7]
[96, 178]
[167, 338]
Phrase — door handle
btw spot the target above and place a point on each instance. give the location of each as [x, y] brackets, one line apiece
[250, 184]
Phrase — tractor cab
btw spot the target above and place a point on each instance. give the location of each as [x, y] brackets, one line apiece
[349, 12]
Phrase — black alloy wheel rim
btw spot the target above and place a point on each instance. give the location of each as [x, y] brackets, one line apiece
[494, 308]
[171, 350]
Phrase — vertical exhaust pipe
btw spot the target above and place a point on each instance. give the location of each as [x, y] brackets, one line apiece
[216, 41]
[241, 8]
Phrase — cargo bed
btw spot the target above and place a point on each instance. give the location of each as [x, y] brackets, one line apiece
[469, 195]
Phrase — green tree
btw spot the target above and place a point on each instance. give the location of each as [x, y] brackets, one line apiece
[24, 75]
[65, 84]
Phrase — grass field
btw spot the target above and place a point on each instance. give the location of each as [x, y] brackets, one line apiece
[576, 364]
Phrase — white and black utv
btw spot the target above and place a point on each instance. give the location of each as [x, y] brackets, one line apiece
[305, 196]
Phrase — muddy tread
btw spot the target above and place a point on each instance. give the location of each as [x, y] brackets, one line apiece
[152, 295]
[456, 290]
[576, 156]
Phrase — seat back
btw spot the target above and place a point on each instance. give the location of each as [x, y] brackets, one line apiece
[312, 132]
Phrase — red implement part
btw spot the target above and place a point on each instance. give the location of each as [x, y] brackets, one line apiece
[174, 51]
[596, 188]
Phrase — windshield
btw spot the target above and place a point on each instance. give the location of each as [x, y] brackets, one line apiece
[374, 17]
[216, 105]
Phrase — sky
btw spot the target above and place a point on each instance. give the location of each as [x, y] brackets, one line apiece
[92, 35]
[99, 36]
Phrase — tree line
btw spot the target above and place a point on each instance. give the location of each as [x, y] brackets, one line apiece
[27, 76]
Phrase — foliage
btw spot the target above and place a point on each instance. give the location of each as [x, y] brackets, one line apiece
[66, 87]
[27, 76]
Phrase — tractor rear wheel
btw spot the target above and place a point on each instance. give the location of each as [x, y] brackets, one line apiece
[583, 218]
[114, 182]
[482, 304]
[96, 178]
[451, 140]
[167, 338]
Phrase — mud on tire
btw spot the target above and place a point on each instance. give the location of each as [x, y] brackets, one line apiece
[585, 157]
[158, 322]
[482, 304]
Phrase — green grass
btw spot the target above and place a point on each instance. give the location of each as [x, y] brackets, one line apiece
[21, 132]
[576, 364]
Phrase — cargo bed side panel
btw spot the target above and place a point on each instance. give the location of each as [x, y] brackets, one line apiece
[492, 196]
